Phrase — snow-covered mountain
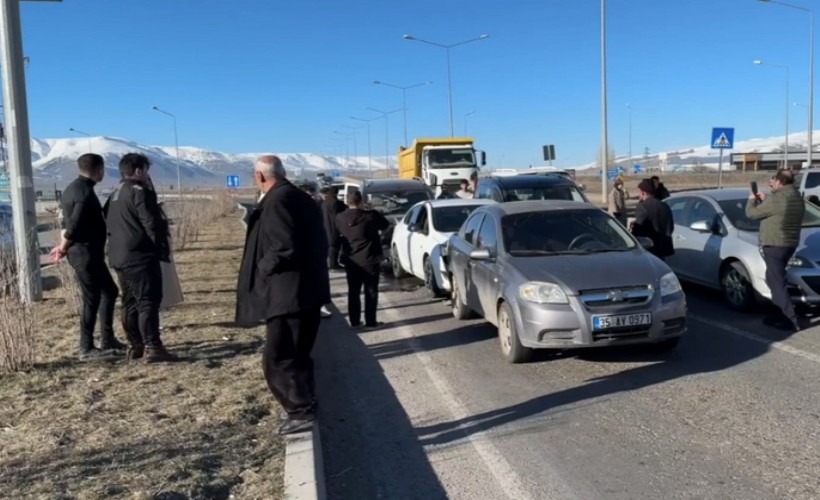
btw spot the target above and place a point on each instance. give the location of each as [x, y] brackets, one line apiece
[55, 162]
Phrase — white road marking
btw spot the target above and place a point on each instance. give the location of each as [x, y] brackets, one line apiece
[500, 468]
[782, 346]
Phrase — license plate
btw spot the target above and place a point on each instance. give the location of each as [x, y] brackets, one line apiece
[621, 321]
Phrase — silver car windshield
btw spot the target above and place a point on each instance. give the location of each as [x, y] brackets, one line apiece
[450, 219]
[735, 211]
[564, 232]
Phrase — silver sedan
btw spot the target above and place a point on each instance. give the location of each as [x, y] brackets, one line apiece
[717, 245]
[562, 274]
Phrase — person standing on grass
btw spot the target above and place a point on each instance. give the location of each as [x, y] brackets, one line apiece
[138, 242]
[83, 242]
[362, 257]
[283, 282]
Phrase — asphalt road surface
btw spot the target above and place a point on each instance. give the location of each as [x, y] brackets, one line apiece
[426, 408]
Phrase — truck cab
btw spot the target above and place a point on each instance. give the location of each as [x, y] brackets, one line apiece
[440, 162]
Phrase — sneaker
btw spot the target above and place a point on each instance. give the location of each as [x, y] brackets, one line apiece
[135, 352]
[159, 355]
[92, 353]
[325, 313]
[112, 345]
[296, 426]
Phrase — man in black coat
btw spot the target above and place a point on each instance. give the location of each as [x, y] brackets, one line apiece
[83, 242]
[137, 243]
[361, 256]
[331, 207]
[653, 219]
[661, 193]
[283, 282]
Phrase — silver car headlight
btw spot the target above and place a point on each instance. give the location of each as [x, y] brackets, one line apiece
[670, 285]
[799, 262]
[543, 293]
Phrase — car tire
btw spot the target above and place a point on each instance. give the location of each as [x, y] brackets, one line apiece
[395, 263]
[511, 347]
[430, 280]
[460, 310]
[737, 287]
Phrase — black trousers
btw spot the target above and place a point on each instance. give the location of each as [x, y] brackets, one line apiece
[333, 257]
[141, 297]
[287, 364]
[99, 295]
[776, 259]
[358, 277]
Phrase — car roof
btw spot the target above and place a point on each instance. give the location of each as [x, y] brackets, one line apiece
[521, 207]
[716, 194]
[395, 185]
[462, 202]
[522, 181]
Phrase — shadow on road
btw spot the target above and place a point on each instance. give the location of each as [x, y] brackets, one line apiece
[450, 338]
[370, 447]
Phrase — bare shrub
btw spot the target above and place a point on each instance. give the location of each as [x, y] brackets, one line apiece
[70, 290]
[191, 215]
[16, 317]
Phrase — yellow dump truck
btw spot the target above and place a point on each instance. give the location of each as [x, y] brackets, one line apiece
[440, 162]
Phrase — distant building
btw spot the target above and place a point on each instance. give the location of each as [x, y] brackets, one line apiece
[767, 161]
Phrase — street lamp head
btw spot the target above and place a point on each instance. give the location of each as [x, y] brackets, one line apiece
[484, 37]
[758, 61]
[72, 128]
[377, 82]
[155, 108]
[408, 37]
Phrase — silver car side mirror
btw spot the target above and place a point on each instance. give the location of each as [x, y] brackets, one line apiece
[480, 254]
[701, 226]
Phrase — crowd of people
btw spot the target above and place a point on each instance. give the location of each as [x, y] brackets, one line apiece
[296, 238]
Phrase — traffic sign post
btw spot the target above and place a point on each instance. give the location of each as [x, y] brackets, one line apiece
[722, 138]
[233, 181]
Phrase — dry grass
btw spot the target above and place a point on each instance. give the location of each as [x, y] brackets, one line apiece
[16, 317]
[192, 215]
[200, 429]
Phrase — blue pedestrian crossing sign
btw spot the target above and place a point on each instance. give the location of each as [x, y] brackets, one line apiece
[233, 181]
[637, 169]
[723, 138]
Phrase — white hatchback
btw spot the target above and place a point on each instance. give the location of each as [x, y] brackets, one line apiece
[419, 236]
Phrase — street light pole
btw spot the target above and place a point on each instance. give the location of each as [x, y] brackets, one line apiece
[403, 98]
[15, 106]
[629, 163]
[176, 146]
[85, 134]
[355, 132]
[810, 133]
[385, 115]
[465, 121]
[449, 72]
[604, 145]
[369, 156]
[781, 66]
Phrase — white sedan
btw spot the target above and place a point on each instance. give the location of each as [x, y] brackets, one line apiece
[418, 237]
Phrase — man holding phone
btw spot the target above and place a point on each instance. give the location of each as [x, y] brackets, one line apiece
[781, 219]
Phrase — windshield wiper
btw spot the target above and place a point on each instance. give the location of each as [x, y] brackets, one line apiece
[528, 253]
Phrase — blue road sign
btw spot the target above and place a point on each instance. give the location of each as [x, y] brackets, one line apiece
[723, 138]
[335, 173]
[612, 174]
[233, 181]
[5, 187]
[637, 169]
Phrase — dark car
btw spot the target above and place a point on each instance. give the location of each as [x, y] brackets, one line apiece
[393, 198]
[529, 188]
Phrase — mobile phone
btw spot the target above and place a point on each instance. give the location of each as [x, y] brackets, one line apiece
[754, 187]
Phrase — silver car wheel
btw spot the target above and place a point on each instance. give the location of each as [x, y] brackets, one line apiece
[734, 284]
[504, 332]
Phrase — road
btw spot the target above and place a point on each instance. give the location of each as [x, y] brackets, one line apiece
[426, 408]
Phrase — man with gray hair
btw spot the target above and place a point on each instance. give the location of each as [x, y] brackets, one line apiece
[283, 282]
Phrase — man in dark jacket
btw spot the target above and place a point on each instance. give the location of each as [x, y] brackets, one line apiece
[137, 243]
[361, 256]
[83, 241]
[331, 207]
[283, 282]
[653, 219]
[661, 193]
[781, 220]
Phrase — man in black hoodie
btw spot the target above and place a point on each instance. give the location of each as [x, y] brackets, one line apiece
[361, 256]
[661, 193]
[331, 207]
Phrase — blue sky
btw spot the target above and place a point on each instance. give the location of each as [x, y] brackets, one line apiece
[265, 75]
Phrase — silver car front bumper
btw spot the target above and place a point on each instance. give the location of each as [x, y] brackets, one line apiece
[570, 326]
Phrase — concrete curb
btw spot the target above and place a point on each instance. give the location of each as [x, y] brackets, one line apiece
[304, 467]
